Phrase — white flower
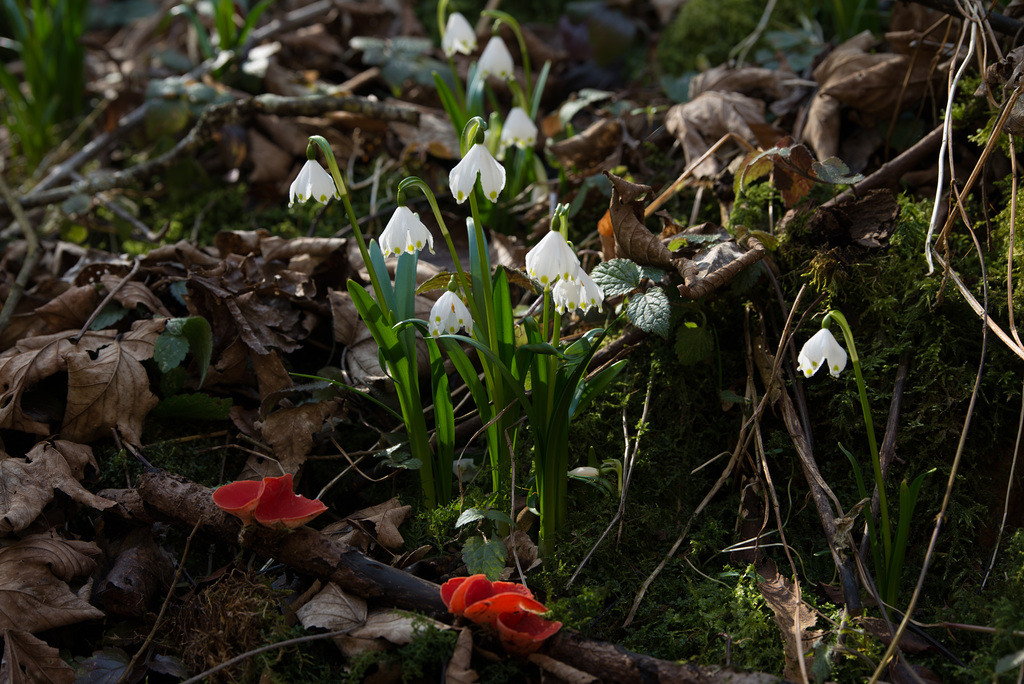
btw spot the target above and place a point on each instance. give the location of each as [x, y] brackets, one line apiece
[448, 315]
[821, 348]
[519, 129]
[495, 59]
[592, 294]
[585, 471]
[405, 233]
[312, 183]
[552, 258]
[478, 162]
[459, 36]
[567, 295]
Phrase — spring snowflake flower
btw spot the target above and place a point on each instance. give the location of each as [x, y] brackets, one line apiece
[552, 258]
[495, 60]
[822, 348]
[592, 294]
[585, 471]
[448, 315]
[478, 162]
[312, 183]
[459, 36]
[567, 295]
[519, 129]
[405, 233]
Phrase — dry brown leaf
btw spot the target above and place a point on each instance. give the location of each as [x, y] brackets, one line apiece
[702, 121]
[270, 164]
[28, 660]
[386, 517]
[27, 484]
[595, 148]
[133, 293]
[878, 89]
[107, 384]
[821, 131]
[141, 574]
[361, 359]
[433, 135]
[70, 309]
[333, 609]
[34, 594]
[459, 670]
[632, 239]
[290, 431]
[751, 81]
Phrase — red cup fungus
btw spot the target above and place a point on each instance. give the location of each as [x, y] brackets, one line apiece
[508, 607]
[271, 503]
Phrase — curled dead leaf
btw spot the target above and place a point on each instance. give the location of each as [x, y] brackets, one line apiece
[632, 238]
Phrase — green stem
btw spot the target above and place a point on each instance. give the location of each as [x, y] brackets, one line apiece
[876, 462]
[414, 182]
[514, 25]
[332, 165]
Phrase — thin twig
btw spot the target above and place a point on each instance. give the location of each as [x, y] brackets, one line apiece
[163, 609]
[268, 647]
[30, 260]
[106, 300]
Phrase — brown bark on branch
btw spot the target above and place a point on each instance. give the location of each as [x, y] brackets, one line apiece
[186, 503]
[212, 120]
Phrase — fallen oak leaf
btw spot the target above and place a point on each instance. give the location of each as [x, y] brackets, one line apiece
[34, 572]
[28, 483]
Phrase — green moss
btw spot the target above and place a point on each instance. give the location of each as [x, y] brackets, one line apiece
[704, 31]
[424, 657]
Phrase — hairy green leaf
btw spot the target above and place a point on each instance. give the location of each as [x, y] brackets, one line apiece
[650, 312]
[484, 556]
[617, 277]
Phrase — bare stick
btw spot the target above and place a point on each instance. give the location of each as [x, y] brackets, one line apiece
[30, 260]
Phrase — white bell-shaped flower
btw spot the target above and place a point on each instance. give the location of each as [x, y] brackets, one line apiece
[459, 36]
[312, 183]
[448, 315]
[495, 60]
[567, 295]
[478, 162]
[519, 129]
[552, 258]
[585, 471]
[821, 349]
[405, 233]
[593, 296]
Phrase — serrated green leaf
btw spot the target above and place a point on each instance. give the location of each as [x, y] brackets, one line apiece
[169, 351]
[110, 315]
[468, 516]
[484, 557]
[650, 312]
[193, 407]
[652, 273]
[693, 344]
[617, 277]
[180, 335]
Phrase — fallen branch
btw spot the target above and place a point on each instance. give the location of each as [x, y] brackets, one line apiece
[212, 120]
[173, 498]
